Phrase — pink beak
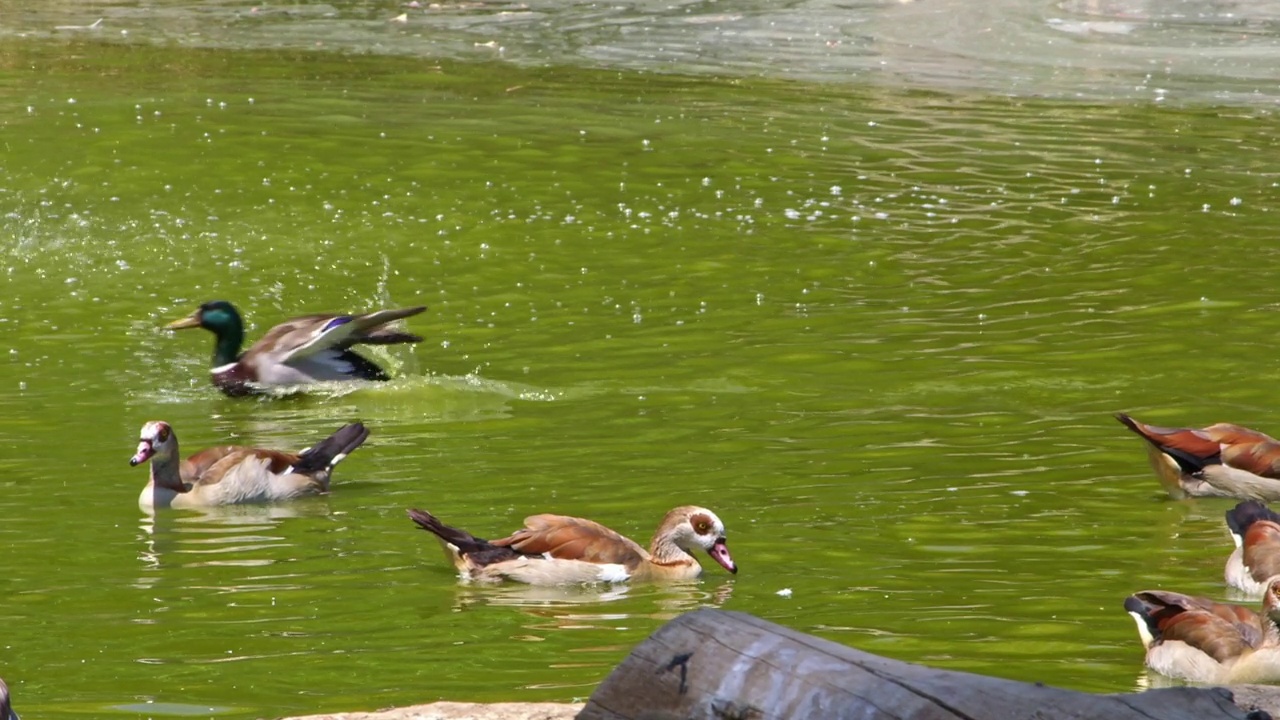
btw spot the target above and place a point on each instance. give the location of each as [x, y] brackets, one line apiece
[720, 553]
[144, 453]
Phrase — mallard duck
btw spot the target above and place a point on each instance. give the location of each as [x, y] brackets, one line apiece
[1222, 460]
[307, 349]
[1199, 640]
[230, 474]
[1255, 528]
[6, 710]
[561, 550]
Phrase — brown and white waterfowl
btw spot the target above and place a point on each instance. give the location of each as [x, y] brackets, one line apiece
[1199, 640]
[561, 550]
[1255, 528]
[6, 710]
[301, 351]
[231, 474]
[1222, 460]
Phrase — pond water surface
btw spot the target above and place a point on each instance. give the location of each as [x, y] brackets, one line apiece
[877, 321]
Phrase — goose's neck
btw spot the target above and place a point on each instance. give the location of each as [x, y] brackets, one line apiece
[1233, 482]
[665, 551]
[164, 473]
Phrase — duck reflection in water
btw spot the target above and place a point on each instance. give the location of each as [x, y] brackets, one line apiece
[566, 606]
[222, 535]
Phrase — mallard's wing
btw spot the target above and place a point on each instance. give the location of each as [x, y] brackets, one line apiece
[315, 335]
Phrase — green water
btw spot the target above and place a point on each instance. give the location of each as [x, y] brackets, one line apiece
[879, 331]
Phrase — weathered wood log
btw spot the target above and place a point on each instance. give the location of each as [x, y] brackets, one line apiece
[724, 665]
[462, 711]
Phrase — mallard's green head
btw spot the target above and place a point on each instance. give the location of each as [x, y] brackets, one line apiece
[220, 318]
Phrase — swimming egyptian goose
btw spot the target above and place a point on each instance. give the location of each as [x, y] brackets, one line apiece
[1203, 641]
[1255, 528]
[301, 351]
[1222, 460]
[230, 474]
[6, 711]
[561, 550]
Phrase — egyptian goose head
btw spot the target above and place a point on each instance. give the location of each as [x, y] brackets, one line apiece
[689, 529]
[155, 440]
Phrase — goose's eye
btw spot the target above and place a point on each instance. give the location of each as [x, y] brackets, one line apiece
[163, 435]
[701, 523]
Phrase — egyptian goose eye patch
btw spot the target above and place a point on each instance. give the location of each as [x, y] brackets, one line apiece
[701, 524]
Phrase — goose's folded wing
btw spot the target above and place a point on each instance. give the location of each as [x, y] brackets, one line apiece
[1220, 630]
[272, 461]
[1191, 449]
[1231, 434]
[1213, 635]
[571, 538]
[1258, 455]
[197, 465]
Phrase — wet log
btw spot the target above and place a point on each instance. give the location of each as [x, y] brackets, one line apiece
[723, 665]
